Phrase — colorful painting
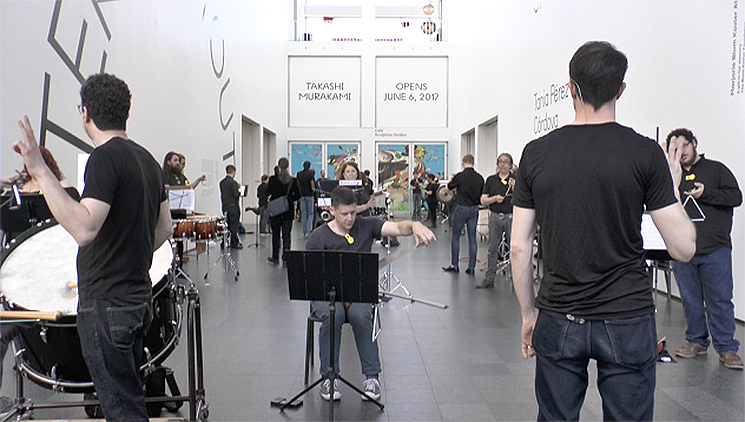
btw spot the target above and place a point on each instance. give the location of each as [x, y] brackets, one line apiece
[393, 173]
[428, 158]
[300, 153]
[338, 154]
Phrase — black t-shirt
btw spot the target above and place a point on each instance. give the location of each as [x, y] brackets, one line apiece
[262, 195]
[721, 195]
[416, 185]
[589, 186]
[364, 232]
[495, 185]
[125, 176]
[229, 193]
[431, 189]
[174, 178]
[469, 184]
[304, 179]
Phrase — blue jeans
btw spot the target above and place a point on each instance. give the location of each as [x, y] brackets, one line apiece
[497, 226]
[416, 211]
[625, 351]
[360, 315]
[111, 339]
[464, 216]
[707, 279]
[263, 220]
[308, 213]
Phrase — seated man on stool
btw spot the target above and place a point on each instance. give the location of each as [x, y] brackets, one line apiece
[346, 232]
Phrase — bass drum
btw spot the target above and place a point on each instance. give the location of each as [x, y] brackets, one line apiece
[38, 272]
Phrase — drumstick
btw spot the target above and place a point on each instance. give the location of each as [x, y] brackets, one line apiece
[45, 315]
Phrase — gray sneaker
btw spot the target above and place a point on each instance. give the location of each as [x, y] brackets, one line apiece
[690, 350]
[372, 389]
[326, 390]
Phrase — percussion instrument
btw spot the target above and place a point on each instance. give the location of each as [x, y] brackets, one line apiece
[208, 227]
[37, 272]
[184, 229]
[445, 195]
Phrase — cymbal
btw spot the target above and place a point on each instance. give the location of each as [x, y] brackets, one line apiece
[445, 195]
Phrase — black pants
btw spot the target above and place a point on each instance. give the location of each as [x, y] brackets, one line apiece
[233, 214]
[432, 208]
[284, 227]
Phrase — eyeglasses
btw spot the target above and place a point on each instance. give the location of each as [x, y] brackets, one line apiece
[80, 108]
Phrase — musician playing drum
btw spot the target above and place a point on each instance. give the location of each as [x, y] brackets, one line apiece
[122, 217]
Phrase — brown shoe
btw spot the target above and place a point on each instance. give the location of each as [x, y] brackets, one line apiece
[485, 285]
[731, 360]
[690, 350]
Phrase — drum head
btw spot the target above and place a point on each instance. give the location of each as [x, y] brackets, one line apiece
[40, 264]
[445, 195]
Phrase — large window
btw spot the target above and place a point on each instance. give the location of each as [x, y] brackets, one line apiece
[368, 20]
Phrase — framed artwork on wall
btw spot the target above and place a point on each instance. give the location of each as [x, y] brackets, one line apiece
[393, 173]
[327, 156]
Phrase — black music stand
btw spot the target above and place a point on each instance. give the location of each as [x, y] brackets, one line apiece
[333, 276]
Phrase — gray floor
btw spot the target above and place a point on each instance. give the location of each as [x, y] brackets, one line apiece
[458, 364]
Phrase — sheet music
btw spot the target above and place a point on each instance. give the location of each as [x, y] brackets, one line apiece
[651, 237]
[181, 199]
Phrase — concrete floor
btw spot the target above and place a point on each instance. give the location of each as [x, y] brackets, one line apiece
[458, 364]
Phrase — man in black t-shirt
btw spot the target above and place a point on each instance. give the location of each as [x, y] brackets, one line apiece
[122, 218]
[347, 232]
[430, 195]
[306, 181]
[497, 195]
[469, 184]
[595, 298]
[263, 202]
[416, 197]
[229, 196]
[710, 192]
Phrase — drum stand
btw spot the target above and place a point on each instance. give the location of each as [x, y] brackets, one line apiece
[228, 263]
[198, 407]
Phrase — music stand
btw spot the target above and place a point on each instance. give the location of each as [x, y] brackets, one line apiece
[333, 276]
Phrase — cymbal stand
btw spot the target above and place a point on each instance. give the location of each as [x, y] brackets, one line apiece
[228, 263]
[176, 268]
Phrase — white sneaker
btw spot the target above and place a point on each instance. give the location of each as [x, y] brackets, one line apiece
[372, 389]
[326, 390]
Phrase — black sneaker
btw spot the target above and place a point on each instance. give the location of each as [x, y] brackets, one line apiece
[451, 269]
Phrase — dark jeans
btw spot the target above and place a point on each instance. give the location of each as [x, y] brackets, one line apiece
[625, 351]
[705, 285]
[111, 338]
[283, 227]
[432, 209]
[464, 216]
[360, 315]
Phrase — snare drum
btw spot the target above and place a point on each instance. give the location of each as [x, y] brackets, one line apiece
[183, 229]
[206, 229]
[34, 275]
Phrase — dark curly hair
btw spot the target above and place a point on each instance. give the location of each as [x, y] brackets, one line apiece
[107, 99]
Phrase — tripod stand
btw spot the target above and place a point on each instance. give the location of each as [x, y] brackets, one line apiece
[332, 276]
[228, 263]
[256, 211]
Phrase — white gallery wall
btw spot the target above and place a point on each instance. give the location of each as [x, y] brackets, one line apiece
[197, 68]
